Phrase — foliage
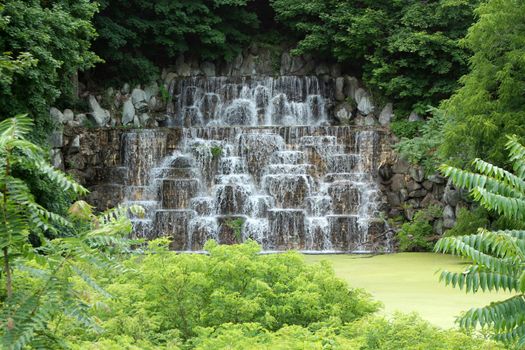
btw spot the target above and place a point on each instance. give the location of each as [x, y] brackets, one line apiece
[490, 102]
[408, 51]
[497, 257]
[469, 221]
[423, 149]
[51, 42]
[236, 226]
[38, 285]
[180, 293]
[137, 36]
[417, 234]
[405, 129]
[216, 151]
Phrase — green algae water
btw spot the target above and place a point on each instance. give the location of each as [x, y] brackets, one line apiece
[408, 282]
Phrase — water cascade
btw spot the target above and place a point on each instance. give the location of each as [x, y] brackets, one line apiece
[257, 160]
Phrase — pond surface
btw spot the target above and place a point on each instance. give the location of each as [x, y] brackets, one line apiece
[408, 282]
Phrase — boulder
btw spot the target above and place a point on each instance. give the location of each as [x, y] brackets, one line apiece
[401, 166]
[452, 196]
[68, 115]
[417, 173]
[370, 120]
[144, 119]
[125, 89]
[438, 226]
[339, 89]
[74, 146]
[386, 115]
[437, 179]
[335, 70]
[138, 98]
[322, 69]
[364, 101]
[128, 112]
[398, 182]
[56, 159]
[100, 116]
[449, 217]
[208, 68]
[286, 63]
[182, 68]
[420, 193]
[412, 185]
[343, 113]
[414, 117]
[427, 185]
[56, 139]
[169, 78]
[393, 199]
[237, 62]
[248, 66]
[56, 115]
[151, 90]
[351, 86]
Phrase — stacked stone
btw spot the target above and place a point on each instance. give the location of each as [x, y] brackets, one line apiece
[408, 190]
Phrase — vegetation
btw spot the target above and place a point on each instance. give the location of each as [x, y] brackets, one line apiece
[417, 235]
[38, 291]
[497, 257]
[50, 42]
[490, 102]
[409, 51]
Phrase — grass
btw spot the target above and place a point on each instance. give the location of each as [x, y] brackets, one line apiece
[408, 282]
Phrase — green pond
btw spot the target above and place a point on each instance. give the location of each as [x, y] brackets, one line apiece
[408, 282]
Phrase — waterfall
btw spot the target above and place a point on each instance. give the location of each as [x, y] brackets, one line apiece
[256, 160]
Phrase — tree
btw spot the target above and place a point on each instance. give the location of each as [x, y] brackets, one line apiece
[136, 37]
[407, 51]
[38, 281]
[52, 40]
[490, 102]
[497, 257]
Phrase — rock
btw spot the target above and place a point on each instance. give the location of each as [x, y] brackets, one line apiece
[248, 66]
[136, 121]
[56, 139]
[417, 173]
[335, 70]
[418, 193]
[74, 146]
[365, 105]
[169, 78]
[128, 112]
[414, 117]
[151, 90]
[449, 218]
[155, 104]
[343, 113]
[286, 63]
[438, 227]
[208, 68]
[398, 182]
[430, 200]
[144, 119]
[393, 199]
[401, 167]
[56, 159]
[385, 172]
[437, 179]
[409, 212]
[452, 196]
[403, 195]
[100, 116]
[237, 62]
[68, 115]
[181, 68]
[138, 98]
[351, 86]
[322, 69]
[370, 120]
[339, 89]
[412, 185]
[81, 119]
[427, 185]
[56, 115]
[125, 89]
[386, 115]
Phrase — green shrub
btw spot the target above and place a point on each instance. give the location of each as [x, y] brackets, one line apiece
[406, 129]
[417, 234]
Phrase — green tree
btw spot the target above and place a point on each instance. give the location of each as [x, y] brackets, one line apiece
[51, 39]
[490, 102]
[136, 37]
[38, 283]
[407, 51]
[497, 257]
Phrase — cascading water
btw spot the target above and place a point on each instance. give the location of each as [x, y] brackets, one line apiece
[248, 167]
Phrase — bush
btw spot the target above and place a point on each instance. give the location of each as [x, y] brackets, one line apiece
[416, 235]
[168, 296]
[406, 129]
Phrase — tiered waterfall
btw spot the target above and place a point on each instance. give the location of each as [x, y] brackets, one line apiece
[257, 160]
